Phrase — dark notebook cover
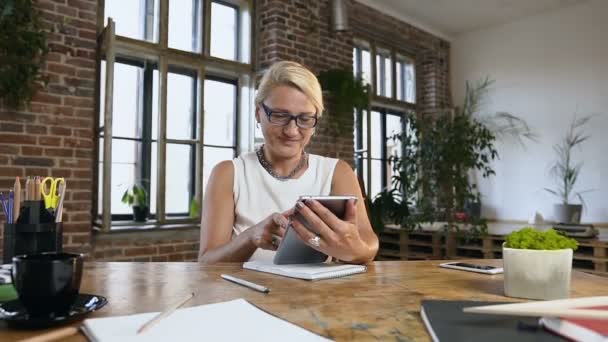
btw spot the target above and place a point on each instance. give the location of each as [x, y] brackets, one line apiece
[448, 323]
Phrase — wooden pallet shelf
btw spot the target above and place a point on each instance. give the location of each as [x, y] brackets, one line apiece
[396, 244]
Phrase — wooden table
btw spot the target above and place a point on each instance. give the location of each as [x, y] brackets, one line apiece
[381, 304]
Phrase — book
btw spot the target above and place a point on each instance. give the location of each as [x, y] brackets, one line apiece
[306, 271]
[579, 329]
[212, 322]
[445, 321]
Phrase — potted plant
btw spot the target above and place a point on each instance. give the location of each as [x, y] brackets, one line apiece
[537, 265]
[345, 92]
[566, 172]
[137, 198]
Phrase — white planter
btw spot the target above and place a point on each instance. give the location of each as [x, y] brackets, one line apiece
[537, 274]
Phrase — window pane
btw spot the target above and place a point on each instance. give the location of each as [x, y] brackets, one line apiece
[180, 106]
[383, 75]
[124, 167]
[376, 176]
[212, 156]
[185, 25]
[223, 31]
[102, 93]
[153, 178]
[393, 127]
[155, 106]
[126, 104]
[220, 113]
[376, 135]
[379, 75]
[134, 18]
[410, 83]
[400, 86]
[100, 178]
[366, 66]
[388, 77]
[356, 61]
[178, 181]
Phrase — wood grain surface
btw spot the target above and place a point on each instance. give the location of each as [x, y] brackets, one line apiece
[382, 304]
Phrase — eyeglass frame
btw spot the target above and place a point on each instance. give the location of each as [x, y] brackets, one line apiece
[269, 111]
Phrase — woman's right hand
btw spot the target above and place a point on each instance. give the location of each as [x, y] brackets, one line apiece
[269, 232]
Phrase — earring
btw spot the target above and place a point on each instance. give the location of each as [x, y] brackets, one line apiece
[257, 124]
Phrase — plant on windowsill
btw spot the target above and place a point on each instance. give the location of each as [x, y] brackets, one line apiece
[344, 92]
[137, 199]
[23, 48]
[537, 265]
[566, 173]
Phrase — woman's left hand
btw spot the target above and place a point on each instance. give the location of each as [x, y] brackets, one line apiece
[335, 237]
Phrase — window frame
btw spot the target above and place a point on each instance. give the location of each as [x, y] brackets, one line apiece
[114, 49]
[380, 103]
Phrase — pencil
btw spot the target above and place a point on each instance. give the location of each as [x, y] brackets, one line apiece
[59, 211]
[11, 200]
[17, 204]
[27, 188]
[246, 283]
[37, 196]
[164, 314]
[53, 335]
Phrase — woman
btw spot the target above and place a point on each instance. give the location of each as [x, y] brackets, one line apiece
[248, 200]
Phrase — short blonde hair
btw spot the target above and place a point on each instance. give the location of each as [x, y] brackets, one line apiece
[294, 75]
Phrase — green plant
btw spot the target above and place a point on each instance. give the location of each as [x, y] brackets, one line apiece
[346, 91]
[135, 197]
[431, 180]
[564, 171]
[23, 49]
[195, 208]
[530, 238]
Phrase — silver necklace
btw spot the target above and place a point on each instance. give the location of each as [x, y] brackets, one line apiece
[268, 167]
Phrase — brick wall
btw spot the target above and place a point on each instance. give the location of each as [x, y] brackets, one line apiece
[54, 134]
[300, 30]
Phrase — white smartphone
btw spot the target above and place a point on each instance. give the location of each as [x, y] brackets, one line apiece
[292, 250]
[466, 266]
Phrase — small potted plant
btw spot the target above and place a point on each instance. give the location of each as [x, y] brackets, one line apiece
[566, 172]
[137, 198]
[537, 265]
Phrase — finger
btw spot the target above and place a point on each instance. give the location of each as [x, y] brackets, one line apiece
[288, 212]
[325, 215]
[280, 231]
[279, 220]
[350, 212]
[306, 235]
[275, 240]
[309, 219]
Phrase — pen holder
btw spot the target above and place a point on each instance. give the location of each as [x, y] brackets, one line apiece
[34, 232]
[23, 238]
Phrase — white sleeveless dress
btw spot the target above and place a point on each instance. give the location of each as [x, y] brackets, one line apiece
[257, 194]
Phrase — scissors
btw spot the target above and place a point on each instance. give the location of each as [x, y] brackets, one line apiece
[49, 190]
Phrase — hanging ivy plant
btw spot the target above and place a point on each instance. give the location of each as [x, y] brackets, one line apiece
[346, 93]
[23, 49]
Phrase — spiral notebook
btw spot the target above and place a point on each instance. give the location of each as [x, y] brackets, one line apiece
[306, 271]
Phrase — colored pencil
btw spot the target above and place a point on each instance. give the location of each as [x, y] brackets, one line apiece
[17, 205]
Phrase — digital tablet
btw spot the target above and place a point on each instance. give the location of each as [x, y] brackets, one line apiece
[292, 250]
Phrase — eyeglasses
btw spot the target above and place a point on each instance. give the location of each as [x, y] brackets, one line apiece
[283, 119]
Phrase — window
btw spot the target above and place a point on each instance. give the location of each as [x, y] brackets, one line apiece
[406, 87]
[176, 108]
[393, 100]
[384, 72]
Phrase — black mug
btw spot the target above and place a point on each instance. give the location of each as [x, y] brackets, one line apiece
[47, 283]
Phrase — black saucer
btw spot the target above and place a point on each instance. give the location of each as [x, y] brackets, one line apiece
[15, 315]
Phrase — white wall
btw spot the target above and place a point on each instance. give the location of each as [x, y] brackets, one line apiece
[547, 68]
